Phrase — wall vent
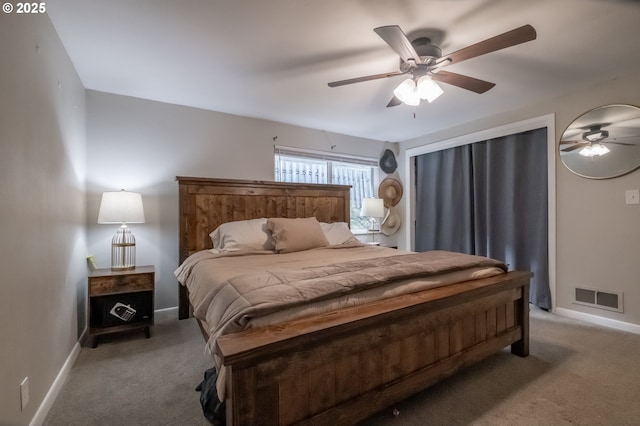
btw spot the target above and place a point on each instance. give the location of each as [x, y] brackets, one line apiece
[610, 300]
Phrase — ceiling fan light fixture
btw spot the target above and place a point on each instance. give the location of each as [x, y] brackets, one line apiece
[594, 150]
[406, 92]
[428, 89]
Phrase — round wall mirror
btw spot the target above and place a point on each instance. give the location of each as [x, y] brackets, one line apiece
[603, 143]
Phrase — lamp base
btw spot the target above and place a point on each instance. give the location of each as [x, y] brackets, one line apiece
[123, 250]
[373, 229]
[127, 268]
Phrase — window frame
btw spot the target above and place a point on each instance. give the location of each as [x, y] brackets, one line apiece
[359, 225]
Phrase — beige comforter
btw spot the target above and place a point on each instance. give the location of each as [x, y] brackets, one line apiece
[235, 291]
[229, 301]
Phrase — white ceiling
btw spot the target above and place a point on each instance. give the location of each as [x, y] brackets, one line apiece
[272, 59]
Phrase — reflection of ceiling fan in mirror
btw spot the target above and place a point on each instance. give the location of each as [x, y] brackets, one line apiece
[592, 141]
[423, 63]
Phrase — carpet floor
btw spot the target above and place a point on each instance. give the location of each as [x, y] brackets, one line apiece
[576, 374]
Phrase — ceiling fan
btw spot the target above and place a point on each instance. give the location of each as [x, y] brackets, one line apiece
[423, 63]
[593, 137]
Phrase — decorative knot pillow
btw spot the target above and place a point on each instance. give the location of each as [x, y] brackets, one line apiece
[298, 234]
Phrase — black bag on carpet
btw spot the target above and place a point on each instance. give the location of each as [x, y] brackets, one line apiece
[212, 408]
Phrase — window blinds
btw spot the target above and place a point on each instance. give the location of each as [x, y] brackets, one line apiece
[293, 165]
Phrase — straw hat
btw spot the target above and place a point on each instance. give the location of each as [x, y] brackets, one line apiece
[390, 190]
[391, 223]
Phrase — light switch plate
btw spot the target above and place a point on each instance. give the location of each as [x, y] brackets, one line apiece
[632, 196]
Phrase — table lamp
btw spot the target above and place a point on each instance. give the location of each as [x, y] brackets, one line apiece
[373, 208]
[122, 207]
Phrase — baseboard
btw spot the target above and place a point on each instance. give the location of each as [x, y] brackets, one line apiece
[595, 319]
[54, 390]
[166, 313]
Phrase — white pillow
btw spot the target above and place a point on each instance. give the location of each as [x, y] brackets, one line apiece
[338, 233]
[242, 235]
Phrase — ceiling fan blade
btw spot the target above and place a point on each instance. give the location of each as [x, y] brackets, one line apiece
[619, 143]
[463, 81]
[504, 40]
[617, 138]
[394, 102]
[398, 41]
[574, 147]
[568, 142]
[366, 78]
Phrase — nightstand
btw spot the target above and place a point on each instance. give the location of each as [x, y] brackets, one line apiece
[120, 301]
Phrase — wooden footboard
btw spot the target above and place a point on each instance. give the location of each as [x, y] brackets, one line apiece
[343, 366]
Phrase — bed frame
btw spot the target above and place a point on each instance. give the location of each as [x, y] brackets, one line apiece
[343, 366]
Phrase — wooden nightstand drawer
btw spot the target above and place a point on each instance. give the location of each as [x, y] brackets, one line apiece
[120, 283]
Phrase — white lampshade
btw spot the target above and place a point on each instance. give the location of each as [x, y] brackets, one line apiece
[372, 207]
[428, 89]
[121, 207]
[406, 92]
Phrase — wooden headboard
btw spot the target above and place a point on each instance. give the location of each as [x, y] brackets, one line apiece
[206, 203]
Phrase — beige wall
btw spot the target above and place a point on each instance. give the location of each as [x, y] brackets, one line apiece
[142, 146]
[42, 214]
[605, 257]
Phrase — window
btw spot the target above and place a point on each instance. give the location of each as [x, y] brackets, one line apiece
[293, 165]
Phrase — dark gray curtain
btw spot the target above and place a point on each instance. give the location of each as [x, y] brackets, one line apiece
[489, 198]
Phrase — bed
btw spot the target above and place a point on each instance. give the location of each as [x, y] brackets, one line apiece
[339, 366]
